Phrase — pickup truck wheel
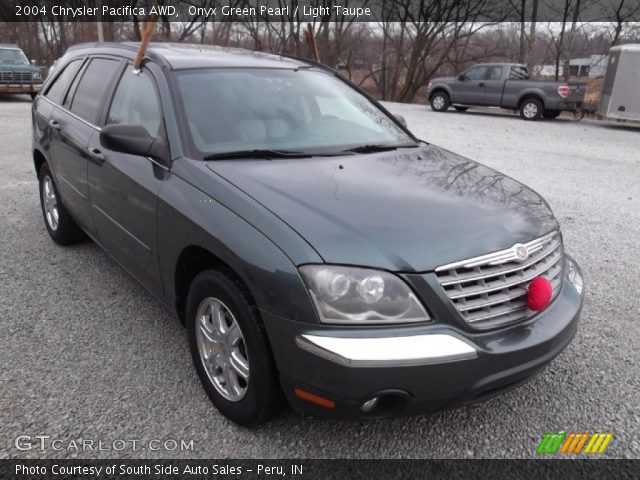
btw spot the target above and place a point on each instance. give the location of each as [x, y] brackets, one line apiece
[531, 109]
[461, 109]
[230, 350]
[61, 227]
[551, 114]
[439, 101]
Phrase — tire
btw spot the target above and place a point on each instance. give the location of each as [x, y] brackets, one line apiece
[243, 349]
[551, 114]
[531, 109]
[461, 109]
[439, 101]
[61, 227]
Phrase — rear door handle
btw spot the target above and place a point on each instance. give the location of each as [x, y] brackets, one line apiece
[96, 155]
[54, 124]
[481, 84]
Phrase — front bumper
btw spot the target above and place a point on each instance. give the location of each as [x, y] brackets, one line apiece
[347, 367]
[20, 88]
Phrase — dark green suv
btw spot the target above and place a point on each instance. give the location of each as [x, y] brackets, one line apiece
[17, 74]
[311, 244]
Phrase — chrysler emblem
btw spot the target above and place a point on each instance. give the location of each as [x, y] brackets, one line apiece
[520, 252]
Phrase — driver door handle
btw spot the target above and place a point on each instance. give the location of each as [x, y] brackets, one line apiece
[481, 84]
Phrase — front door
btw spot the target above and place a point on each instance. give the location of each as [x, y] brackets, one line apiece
[468, 89]
[124, 188]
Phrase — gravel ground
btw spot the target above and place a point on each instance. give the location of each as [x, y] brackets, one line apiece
[86, 353]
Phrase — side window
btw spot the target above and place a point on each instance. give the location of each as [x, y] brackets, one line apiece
[135, 102]
[495, 73]
[60, 85]
[91, 88]
[477, 73]
[518, 73]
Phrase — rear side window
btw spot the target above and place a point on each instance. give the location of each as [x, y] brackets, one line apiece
[92, 87]
[60, 85]
[518, 73]
[135, 102]
[495, 73]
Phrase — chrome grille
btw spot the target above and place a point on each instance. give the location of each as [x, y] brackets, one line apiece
[15, 77]
[491, 290]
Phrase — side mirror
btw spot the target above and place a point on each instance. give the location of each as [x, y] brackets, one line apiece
[134, 140]
[401, 119]
[461, 77]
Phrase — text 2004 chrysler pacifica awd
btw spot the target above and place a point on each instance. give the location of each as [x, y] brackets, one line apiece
[311, 244]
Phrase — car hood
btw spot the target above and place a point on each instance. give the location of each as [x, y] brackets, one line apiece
[407, 210]
[443, 79]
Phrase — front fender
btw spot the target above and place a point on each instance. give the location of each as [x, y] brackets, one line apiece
[189, 217]
[440, 86]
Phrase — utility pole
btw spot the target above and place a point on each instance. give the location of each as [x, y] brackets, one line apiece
[99, 22]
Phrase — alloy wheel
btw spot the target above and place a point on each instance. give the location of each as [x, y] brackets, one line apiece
[222, 349]
[50, 203]
[438, 102]
[530, 110]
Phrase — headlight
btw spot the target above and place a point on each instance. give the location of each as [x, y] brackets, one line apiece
[349, 295]
[37, 76]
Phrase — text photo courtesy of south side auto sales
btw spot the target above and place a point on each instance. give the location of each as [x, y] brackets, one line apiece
[246, 247]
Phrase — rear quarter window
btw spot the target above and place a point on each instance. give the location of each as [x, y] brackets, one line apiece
[58, 89]
[518, 73]
[92, 87]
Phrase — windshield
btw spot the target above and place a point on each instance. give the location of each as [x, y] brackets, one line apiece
[303, 111]
[12, 55]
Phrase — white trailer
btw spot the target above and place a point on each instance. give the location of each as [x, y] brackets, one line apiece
[621, 90]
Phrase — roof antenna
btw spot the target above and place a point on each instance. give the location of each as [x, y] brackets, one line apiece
[148, 27]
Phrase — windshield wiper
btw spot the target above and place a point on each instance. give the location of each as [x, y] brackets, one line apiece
[378, 148]
[258, 153]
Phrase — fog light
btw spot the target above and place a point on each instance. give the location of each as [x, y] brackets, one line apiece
[575, 275]
[369, 405]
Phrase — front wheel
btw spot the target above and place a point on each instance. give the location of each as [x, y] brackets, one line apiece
[229, 349]
[531, 109]
[439, 101]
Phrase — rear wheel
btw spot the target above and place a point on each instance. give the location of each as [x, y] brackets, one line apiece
[551, 114]
[440, 101]
[531, 109]
[230, 349]
[61, 227]
[461, 109]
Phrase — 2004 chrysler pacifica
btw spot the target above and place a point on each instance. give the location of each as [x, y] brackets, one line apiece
[310, 243]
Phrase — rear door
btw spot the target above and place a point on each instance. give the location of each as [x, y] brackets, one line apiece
[124, 188]
[75, 124]
[493, 86]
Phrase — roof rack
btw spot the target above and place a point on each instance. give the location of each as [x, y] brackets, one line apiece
[129, 46]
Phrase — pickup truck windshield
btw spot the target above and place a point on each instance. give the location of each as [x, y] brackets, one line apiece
[12, 55]
[304, 111]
